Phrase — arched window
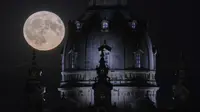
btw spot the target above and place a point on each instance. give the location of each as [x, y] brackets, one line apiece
[104, 25]
[137, 58]
[78, 25]
[133, 24]
[72, 58]
[138, 55]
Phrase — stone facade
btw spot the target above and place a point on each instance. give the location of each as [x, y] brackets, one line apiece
[126, 90]
[132, 61]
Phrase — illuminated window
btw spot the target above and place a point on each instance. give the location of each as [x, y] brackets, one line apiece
[133, 24]
[105, 25]
[72, 58]
[78, 25]
[137, 58]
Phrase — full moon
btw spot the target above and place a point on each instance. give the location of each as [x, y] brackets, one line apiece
[44, 30]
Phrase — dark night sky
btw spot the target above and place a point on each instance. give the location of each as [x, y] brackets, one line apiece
[170, 24]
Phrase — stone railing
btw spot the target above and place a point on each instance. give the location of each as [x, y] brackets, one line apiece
[116, 76]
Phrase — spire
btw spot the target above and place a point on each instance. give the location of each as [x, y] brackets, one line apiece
[35, 71]
[102, 62]
[34, 88]
[102, 69]
[102, 86]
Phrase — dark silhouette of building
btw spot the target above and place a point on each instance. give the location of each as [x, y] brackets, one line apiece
[180, 86]
[35, 89]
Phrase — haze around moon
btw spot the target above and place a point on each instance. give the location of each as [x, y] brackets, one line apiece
[44, 30]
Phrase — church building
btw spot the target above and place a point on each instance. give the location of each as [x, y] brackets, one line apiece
[108, 59]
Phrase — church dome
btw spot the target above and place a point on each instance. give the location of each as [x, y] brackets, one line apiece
[126, 35]
[109, 33]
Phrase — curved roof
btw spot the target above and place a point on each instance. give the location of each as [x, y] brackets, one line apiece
[123, 40]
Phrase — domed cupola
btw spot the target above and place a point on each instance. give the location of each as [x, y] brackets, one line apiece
[124, 43]
[131, 60]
